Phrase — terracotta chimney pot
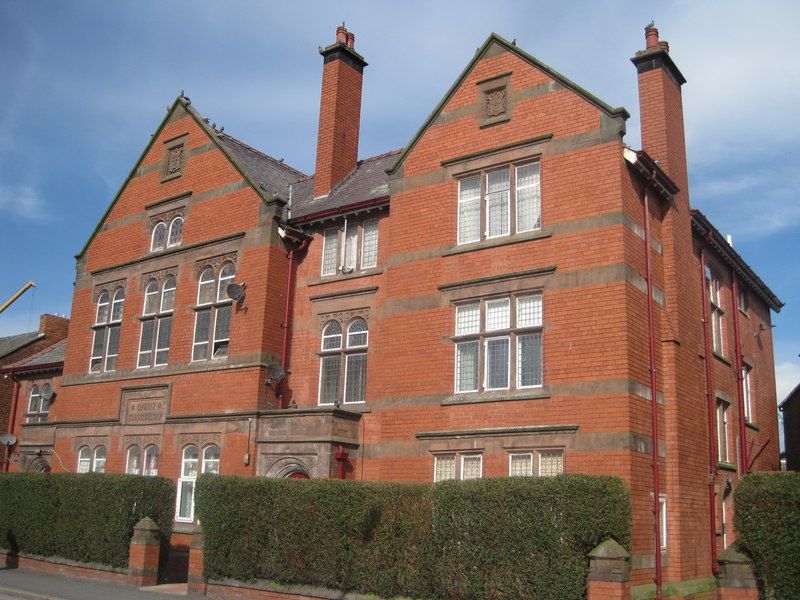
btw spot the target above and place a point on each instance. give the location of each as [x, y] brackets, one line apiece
[341, 34]
[651, 37]
[664, 46]
[351, 39]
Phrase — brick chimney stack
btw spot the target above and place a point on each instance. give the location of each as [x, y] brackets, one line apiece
[339, 112]
[661, 106]
[53, 326]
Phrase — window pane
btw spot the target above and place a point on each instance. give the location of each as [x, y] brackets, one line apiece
[99, 460]
[469, 209]
[117, 305]
[471, 467]
[205, 289]
[44, 404]
[350, 247]
[34, 403]
[467, 366]
[226, 277]
[747, 393]
[211, 459]
[551, 462]
[468, 319]
[159, 240]
[357, 334]
[162, 343]
[175, 231]
[332, 336]
[186, 500]
[329, 379]
[444, 468]
[113, 347]
[329, 253]
[168, 295]
[190, 457]
[497, 363]
[102, 308]
[151, 298]
[498, 314]
[202, 327]
[520, 465]
[134, 458]
[222, 329]
[150, 461]
[529, 360]
[84, 460]
[146, 343]
[98, 346]
[369, 245]
[529, 204]
[529, 311]
[497, 203]
[355, 378]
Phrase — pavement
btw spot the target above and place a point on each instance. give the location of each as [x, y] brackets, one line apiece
[26, 584]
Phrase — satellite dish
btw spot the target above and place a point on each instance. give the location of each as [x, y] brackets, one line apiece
[47, 392]
[8, 439]
[275, 372]
[235, 291]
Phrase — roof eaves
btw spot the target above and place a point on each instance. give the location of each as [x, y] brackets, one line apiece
[705, 228]
[26, 343]
[494, 37]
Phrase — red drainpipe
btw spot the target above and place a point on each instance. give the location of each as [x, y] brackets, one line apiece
[11, 423]
[654, 399]
[287, 314]
[737, 342]
[712, 419]
[341, 458]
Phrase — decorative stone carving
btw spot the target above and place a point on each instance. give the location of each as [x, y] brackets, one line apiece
[91, 440]
[141, 440]
[144, 406]
[167, 217]
[344, 316]
[495, 102]
[159, 276]
[214, 262]
[109, 287]
[175, 160]
[199, 439]
[277, 465]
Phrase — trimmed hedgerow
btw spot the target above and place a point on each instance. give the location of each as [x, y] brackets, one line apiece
[767, 522]
[490, 538]
[87, 518]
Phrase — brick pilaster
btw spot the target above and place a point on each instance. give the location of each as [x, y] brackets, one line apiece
[197, 582]
[609, 572]
[145, 550]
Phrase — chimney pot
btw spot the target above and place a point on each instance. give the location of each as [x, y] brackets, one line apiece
[351, 39]
[664, 46]
[651, 37]
[341, 34]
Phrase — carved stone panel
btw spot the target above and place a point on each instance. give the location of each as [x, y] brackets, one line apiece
[109, 287]
[159, 276]
[141, 440]
[495, 102]
[344, 316]
[215, 262]
[175, 160]
[167, 217]
[199, 439]
[144, 405]
[91, 440]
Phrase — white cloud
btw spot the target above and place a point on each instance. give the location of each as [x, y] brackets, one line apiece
[787, 376]
[21, 201]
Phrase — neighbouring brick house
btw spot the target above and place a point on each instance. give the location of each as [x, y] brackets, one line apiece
[15, 348]
[790, 407]
[473, 305]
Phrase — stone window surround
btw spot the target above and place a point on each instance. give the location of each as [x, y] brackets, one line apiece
[180, 141]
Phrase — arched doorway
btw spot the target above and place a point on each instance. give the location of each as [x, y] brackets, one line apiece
[297, 475]
[40, 465]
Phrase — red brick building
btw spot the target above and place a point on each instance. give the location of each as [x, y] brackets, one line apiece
[472, 305]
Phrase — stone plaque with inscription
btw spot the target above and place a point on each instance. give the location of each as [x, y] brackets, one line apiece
[144, 406]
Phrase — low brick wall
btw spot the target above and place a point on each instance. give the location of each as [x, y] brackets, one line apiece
[63, 567]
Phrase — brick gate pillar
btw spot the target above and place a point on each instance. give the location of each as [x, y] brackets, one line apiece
[145, 550]
[736, 580]
[197, 581]
[609, 572]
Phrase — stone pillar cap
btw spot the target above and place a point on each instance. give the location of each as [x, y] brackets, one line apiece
[609, 549]
[146, 524]
[732, 555]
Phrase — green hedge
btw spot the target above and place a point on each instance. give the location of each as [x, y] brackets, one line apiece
[87, 518]
[492, 538]
[767, 522]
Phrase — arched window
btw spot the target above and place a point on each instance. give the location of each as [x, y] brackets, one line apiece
[84, 459]
[352, 359]
[39, 404]
[156, 323]
[213, 313]
[159, 238]
[99, 460]
[105, 344]
[150, 460]
[175, 232]
[188, 478]
[134, 462]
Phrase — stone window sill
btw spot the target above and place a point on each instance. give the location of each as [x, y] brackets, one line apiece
[722, 359]
[503, 396]
[501, 241]
[726, 466]
[752, 426]
[347, 277]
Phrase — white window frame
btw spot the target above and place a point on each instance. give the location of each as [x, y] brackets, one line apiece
[99, 462]
[437, 458]
[157, 318]
[373, 222]
[541, 451]
[331, 233]
[512, 204]
[343, 352]
[716, 310]
[662, 513]
[486, 342]
[470, 456]
[747, 392]
[170, 243]
[349, 257]
[159, 224]
[213, 343]
[202, 466]
[150, 453]
[136, 469]
[37, 412]
[514, 455]
[106, 327]
[84, 462]
[722, 431]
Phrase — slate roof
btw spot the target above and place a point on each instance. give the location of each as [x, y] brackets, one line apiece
[367, 181]
[12, 343]
[51, 354]
[263, 169]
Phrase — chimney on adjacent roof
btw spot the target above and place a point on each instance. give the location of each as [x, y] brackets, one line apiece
[339, 111]
[53, 326]
[661, 106]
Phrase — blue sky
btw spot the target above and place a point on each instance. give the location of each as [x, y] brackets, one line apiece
[84, 84]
